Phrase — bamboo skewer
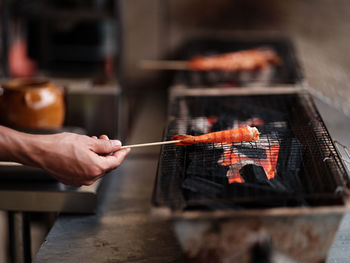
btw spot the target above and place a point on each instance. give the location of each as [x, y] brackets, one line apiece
[10, 164]
[149, 144]
[165, 65]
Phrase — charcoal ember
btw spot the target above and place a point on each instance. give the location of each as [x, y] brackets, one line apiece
[205, 175]
[244, 195]
[277, 184]
[254, 153]
[203, 178]
[202, 187]
[275, 130]
[229, 113]
[275, 123]
[255, 174]
[216, 173]
[225, 120]
[249, 190]
[200, 125]
[290, 162]
[201, 166]
[268, 115]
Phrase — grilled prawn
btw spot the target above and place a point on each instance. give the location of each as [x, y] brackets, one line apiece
[245, 60]
[244, 134]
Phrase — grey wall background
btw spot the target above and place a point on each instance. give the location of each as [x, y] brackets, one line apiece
[320, 30]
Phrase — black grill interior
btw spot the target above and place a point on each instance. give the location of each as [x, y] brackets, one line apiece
[294, 148]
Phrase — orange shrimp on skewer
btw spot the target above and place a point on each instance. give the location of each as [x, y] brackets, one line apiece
[244, 134]
[244, 60]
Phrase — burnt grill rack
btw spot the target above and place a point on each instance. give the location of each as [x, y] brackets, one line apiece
[288, 73]
[290, 122]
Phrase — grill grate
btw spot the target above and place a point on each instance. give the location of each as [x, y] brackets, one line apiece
[295, 150]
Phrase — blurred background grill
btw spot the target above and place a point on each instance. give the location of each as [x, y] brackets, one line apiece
[289, 72]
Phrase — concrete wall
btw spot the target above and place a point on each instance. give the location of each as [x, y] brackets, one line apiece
[141, 32]
[319, 28]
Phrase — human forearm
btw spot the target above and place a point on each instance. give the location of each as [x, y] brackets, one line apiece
[17, 146]
[73, 159]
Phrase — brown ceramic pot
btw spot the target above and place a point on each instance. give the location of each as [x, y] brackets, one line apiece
[32, 104]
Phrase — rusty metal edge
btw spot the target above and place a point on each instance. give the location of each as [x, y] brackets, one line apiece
[166, 213]
[182, 90]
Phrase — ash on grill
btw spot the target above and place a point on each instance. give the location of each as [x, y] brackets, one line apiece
[293, 164]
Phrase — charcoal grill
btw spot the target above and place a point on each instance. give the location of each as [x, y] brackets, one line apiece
[292, 216]
[289, 73]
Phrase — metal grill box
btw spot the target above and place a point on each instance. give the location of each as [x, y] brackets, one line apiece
[218, 219]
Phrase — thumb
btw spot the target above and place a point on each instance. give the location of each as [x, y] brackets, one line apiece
[105, 147]
[113, 161]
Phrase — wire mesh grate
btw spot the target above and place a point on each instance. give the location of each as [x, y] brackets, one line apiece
[294, 163]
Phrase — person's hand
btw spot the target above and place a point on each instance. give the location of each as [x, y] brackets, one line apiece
[78, 159]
